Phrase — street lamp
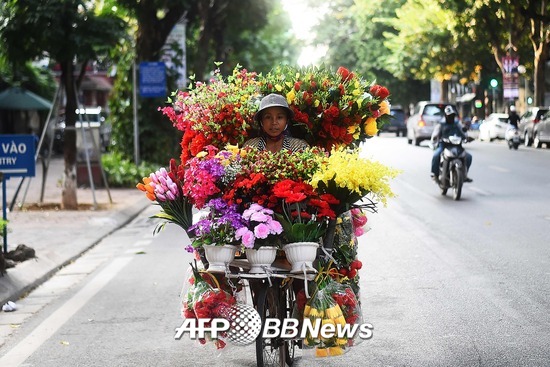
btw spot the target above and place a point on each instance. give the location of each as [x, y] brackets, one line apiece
[522, 70]
[494, 85]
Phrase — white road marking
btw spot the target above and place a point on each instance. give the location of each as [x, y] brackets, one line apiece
[48, 327]
[499, 169]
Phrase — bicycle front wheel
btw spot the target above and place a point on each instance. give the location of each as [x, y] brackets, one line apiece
[271, 352]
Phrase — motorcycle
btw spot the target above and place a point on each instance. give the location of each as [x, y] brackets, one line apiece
[452, 166]
[512, 137]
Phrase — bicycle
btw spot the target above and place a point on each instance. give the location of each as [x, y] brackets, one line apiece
[273, 296]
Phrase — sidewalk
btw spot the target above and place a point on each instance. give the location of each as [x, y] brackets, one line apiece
[59, 236]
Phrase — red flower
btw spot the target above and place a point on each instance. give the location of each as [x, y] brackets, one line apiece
[344, 73]
[379, 91]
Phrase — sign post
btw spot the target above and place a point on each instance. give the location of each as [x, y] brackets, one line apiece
[16, 159]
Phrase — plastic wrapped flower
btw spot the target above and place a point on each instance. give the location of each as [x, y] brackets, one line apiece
[260, 229]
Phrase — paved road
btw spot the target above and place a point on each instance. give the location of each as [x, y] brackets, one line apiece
[444, 283]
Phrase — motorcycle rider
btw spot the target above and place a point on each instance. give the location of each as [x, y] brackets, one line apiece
[443, 130]
[513, 118]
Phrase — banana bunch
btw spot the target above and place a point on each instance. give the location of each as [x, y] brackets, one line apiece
[322, 307]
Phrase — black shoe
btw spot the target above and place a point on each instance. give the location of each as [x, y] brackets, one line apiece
[468, 179]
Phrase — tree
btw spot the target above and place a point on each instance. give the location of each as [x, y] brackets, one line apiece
[216, 30]
[354, 33]
[70, 32]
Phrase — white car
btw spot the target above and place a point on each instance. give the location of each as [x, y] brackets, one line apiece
[494, 127]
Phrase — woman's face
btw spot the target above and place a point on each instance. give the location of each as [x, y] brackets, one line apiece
[274, 120]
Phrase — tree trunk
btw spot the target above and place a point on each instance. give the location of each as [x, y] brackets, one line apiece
[68, 196]
[539, 79]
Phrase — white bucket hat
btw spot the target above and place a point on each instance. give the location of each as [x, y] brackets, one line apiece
[273, 100]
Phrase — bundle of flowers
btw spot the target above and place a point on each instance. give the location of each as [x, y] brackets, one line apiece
[350, 178]
[215, 113]
[257, 172]
[333, 109]
[204, 301]
[304, 213]
[166, 189]
[321, 306]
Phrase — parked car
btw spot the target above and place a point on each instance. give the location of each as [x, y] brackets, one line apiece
[425, 116]
[473, 129]
[494, 127]
[96, 119]
[541, 132]
[528, 121]
[397, 123]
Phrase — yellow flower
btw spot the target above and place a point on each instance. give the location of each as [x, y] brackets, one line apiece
[346, 170]
[370, 127]
[384, 108]
[290, 96]
[278, 87]
[201, 154]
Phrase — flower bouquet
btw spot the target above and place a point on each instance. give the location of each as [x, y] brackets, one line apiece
[166, 189]
[350, 178]
[331, 108]
[322, 307]
[215, 113]
[304, 212]
[202, 300]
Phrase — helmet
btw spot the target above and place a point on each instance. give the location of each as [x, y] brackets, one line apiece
[273, 100]
[449, 111]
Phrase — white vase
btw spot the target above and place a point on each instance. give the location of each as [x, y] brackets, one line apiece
[301, 255]
[260, 259]
[219, 256]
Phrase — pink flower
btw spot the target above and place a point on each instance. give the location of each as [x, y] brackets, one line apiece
[261, 231]
[275, 227]
[246, 236]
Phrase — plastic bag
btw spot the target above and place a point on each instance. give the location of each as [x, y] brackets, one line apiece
[202, 299]
[321, 309]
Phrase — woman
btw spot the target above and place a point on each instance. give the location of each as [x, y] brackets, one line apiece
[273, 117]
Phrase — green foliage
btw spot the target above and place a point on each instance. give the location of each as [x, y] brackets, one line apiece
[122, 172]
[3, 225]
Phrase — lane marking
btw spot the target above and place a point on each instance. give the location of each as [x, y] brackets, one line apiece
[499, 169]
[25, 348]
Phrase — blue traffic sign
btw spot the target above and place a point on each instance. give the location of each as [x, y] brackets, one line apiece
[17, 155]
[152, 79]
